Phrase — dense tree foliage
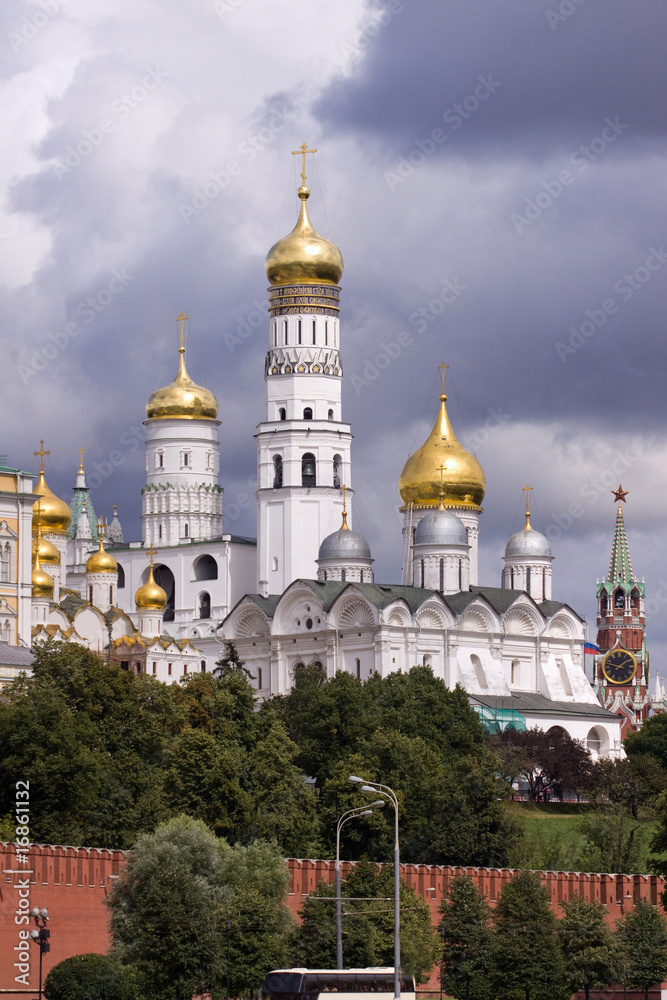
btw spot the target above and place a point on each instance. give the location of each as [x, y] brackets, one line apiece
[551, 762]
[467, 942]
[185, 900]
[649, 741]
[367, 924]
[89, 977]
[589, 947]
[644, 946]
[527, 958]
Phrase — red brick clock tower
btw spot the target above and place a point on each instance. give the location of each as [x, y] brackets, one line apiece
[621, 667]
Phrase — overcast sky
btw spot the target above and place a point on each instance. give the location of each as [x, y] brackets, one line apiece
[493, 172]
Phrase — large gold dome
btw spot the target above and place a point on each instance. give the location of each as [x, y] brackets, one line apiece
[46, 550]
[151, 595]
[42, 583]
[304, 255]
[55, 515]
[101, 561]
[182, 398]
[463, 483]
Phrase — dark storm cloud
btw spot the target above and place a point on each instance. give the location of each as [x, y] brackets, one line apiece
[553, 77]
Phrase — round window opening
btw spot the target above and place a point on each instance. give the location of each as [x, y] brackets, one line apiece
[309, 622]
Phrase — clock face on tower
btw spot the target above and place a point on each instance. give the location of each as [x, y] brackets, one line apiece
[619, 666]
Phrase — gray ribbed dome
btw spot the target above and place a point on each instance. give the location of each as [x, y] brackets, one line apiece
[344, 544]
[440, 527]
[528, 542]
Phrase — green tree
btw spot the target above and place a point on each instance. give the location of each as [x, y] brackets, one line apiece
[166, 914]
[368, 925]
[89, 977]
[527, 958]
[589, 946]
[467, 956]
[644, 946]
[649, 741]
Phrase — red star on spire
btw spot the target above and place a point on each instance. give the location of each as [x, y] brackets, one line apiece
[620, 493]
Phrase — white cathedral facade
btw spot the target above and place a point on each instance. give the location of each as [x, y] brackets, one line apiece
[304, 591]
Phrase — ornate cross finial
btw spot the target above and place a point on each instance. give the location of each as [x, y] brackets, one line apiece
[344, 490]
[442, 469]
[181, 319]
[527, 490]
[443, 368]
[81, 454]
[41, 454]
[151, 554]
[619, 494]
[303, 149]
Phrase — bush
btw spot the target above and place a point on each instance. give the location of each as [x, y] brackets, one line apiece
[88, 977]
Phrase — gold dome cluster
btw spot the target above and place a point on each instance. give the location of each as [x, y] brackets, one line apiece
[42, 584]
[442, 468]
[304, 255]
[150, 595]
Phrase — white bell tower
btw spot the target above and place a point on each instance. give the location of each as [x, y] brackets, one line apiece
[303, 445]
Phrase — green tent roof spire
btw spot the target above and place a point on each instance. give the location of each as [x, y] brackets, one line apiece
[620, 567]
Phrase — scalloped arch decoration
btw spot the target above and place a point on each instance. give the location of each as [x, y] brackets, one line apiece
[560, 628]
[474, 620]
[252, 623]
[355, 614]
[430, 618]
[398, 618]
[519, 622]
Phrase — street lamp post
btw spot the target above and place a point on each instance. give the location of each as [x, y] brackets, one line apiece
[345, 818]
[375, 788]
[40, 937]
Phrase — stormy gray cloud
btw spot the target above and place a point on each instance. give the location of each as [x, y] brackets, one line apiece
[494, 174]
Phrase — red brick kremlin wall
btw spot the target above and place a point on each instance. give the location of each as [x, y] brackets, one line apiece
[73, 882]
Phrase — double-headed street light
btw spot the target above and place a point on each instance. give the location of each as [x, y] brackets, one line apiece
[345, 818]
[375, 788]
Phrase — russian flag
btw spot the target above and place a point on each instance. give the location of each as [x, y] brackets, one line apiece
[590, 647]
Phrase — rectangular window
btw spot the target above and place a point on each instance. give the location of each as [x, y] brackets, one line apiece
[154, 667]
[285, 331]
[314, 332]
[326, 333]
[169, 669]
[299, 330]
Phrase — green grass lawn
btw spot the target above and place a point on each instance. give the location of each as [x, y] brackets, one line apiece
[570, 836]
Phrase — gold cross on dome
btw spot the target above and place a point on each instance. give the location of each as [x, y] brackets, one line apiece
[152, 553]
[41, 454]
[303, 149]
[81, 454]
[181, 319]
[443, 368]
[527, 490]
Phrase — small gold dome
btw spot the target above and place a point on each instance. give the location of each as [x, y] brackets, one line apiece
[183, 398]
[151, 595]
[55, 515]
[463, 483]
[304, 255]
[101, 561]
[42, 583]
[47, 551]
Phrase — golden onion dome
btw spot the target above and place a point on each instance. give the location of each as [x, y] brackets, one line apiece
[182, 398]
[304, 255]
[42, 583]
[461, 482]
[151, 595]
[54, 515]
[46, 550]
[101, 561]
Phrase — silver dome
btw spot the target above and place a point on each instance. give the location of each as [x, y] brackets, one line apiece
[528, 542]
[344, 544]
[440, 527]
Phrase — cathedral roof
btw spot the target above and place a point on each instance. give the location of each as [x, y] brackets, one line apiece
[528, 542]
[620, 567]
[525, 703]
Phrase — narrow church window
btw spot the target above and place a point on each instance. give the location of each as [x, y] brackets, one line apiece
[169, 669]
[337, 467]
[460, 574]
[203, 666]
[282, 413]
[634, 600]
[326, 333]
[442, 575]
[285, 331]
[357, 664]
[275, 563]
[308, 470]
[528, 580]
[314, 332]
[544, 585]
[343, 575]
[111, 594]
[324, 576]
[259, 678]
[159, 531]
[186, 531]
[299, 330]
[154, 667]
[421, 572]
[308, 413]
[479, 670]
[514, 672]
[331, 415]
[205, 605]
[90, 594]
[160, 460]
[275, 334]
[277, 472]
[185, 668]
[511, 578]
